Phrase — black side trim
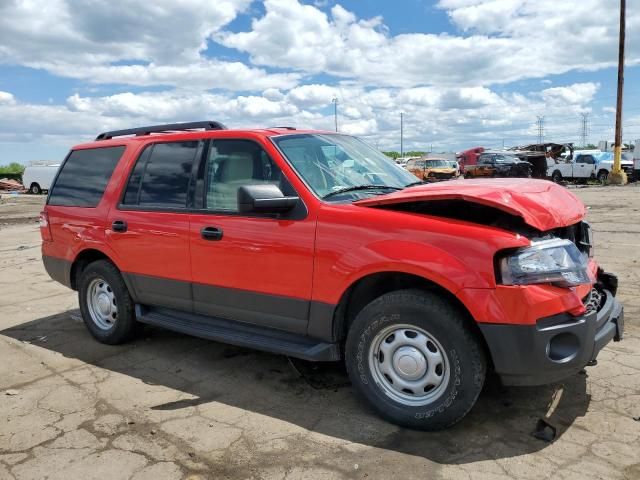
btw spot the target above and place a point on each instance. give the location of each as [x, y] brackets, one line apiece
[163, 292]
[244, 335]
[58, 269]
[289, 314]
[283, 313]
[321, 318]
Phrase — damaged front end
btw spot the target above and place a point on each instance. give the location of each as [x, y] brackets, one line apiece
[552, 309]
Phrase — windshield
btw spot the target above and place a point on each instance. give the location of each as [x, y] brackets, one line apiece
[330, 163]
[506, 158]
[437, 163]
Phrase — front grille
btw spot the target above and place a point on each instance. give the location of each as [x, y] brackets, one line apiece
[594, 300]
[580, 234]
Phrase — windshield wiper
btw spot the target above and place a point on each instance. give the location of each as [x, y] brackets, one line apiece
[413, 184]
[359, 187]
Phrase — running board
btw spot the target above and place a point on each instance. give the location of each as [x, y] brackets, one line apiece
[240, 334]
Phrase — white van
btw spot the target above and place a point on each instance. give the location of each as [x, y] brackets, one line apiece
[38, 178]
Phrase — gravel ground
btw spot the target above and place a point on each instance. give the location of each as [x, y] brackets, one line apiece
[170, 406]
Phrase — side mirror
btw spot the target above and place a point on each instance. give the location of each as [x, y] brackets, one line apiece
[264, 198]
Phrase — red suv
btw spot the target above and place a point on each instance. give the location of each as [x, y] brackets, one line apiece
[315, 245]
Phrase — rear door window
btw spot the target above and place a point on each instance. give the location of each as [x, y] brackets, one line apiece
[84, 177]
[162, 175]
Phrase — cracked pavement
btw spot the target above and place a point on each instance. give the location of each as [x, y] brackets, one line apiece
[170, 406]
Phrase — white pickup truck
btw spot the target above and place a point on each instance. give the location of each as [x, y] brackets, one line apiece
[586, 165]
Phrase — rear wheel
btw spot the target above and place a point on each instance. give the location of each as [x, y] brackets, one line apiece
[556, 177]
[35, 189]
[410, 355]
[106, 306]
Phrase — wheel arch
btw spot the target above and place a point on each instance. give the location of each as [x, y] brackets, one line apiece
[84, 258]
[369, 287]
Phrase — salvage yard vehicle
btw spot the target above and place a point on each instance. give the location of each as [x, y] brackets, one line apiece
[498, 164]
[592, 165]
[429, 169]
[468, 157]
[38, 178]
[253, 238]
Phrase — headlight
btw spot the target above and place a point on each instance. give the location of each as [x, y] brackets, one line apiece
[553, 261]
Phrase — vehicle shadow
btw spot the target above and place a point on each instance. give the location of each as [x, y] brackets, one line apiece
[317, 397]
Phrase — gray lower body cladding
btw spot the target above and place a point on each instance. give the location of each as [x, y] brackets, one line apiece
[554, 348]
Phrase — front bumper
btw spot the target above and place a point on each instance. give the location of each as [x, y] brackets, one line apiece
[558, 346]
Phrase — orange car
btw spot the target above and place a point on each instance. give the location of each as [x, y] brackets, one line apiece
[432, 168]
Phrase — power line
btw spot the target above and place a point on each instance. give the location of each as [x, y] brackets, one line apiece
[335, 101]
[584, 134]
[540, 123]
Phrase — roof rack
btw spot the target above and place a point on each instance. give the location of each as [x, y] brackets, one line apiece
[285, 128]
[206, 125]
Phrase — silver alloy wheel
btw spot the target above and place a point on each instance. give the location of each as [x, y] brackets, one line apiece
[101, 301]
[409, 364]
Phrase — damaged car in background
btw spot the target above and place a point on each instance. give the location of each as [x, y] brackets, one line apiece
[498, 164]
[432, 169]
[315, 245]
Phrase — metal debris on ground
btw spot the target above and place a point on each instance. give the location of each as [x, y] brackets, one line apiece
[12, 392]
[545, 431]
[8, 185]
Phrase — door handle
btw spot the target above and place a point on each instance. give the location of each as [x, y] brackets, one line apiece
[211, 233]
[119, 226]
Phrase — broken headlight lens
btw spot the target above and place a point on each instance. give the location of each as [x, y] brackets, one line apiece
[554, 261]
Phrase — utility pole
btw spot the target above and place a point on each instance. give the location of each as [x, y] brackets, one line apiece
[540, 123]
[584, 133]
[617, 176]
[335, 102]
[401, 134]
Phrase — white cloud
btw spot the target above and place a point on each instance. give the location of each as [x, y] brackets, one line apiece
[446, 116]
[6, 98]
[443, 83]
[509, 40]
[578, 93]
[146, 44]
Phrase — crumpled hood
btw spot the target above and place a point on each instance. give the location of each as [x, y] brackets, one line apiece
[542, 204]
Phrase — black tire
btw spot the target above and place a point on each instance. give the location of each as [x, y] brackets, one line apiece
[464, 355]
[124, 327]
[557, 176]
[602, 176]
[35, 189]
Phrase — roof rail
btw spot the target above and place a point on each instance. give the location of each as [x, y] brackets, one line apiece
[206, 125]
[285, 128]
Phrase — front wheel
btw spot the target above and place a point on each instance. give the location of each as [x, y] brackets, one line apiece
[411, 356]
[35, 189]
[602, 176]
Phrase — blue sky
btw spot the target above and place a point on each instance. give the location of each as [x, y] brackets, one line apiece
[463, 72]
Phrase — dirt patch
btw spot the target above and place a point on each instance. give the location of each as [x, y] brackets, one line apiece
[20, 209]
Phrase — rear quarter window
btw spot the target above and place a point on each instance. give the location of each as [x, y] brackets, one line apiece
[84, 177]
